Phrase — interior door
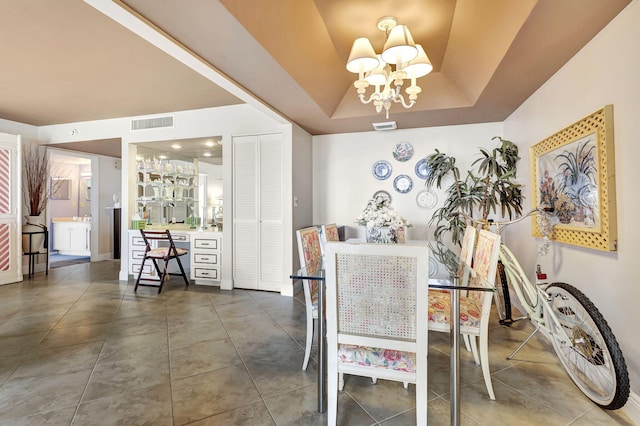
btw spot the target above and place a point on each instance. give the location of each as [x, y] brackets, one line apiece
[10, 209]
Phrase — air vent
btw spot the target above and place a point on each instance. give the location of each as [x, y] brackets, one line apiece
[151, 123]
[386, 125]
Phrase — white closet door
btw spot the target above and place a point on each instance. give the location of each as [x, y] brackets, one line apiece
[245, 212]
[270, 212]
[10, 209]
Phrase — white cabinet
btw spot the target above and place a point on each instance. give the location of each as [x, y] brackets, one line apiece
[206, 257]
[204, 263]
[258, 212]
[72, 238]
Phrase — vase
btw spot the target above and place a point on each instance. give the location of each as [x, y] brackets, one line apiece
[34, 224]
[386, 235]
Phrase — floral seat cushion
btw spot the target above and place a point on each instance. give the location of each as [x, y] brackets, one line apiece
[161, 252]
[375, 357]
[439, 309]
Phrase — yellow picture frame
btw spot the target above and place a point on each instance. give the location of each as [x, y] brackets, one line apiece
[572, 171]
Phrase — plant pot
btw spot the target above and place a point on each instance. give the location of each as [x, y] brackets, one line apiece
[386, 235]
[34, 224]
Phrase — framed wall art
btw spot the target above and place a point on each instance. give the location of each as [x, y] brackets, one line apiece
[572, 171]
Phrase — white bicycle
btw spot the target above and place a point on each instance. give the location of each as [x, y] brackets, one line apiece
[580, 336]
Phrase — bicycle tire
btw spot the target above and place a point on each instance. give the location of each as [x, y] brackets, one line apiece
[595, 362]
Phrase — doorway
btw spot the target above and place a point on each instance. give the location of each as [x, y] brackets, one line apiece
[69, 212]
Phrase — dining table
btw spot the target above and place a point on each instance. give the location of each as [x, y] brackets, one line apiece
[454, 278]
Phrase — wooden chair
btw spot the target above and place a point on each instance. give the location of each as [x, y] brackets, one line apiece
[309, 251]
[376, 305]
[475, 306]
[165, 250]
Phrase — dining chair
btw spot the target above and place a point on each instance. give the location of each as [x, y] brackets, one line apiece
[330, 232]
[309, 251]
[165, 250]
[475, 306]
[376, 306]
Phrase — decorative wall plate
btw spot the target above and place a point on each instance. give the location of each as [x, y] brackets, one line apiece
[382, 170]
[402, 184]
[433, 267]
[426, 199]
[422, 169]
[383, 194]
[403, 151]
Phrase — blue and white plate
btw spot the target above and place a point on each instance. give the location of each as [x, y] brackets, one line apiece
[402, 184]
[422, 168]
[403, 152]
[382, 170]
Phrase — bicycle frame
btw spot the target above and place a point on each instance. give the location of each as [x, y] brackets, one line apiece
[540, 313]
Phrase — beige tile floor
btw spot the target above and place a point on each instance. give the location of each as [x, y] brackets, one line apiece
[77, 347]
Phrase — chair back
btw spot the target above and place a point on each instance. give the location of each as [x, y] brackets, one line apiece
[377, 296]
[309, 253]
[330, 232]
[485, 265]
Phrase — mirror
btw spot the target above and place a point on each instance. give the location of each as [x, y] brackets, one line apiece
[60, 188]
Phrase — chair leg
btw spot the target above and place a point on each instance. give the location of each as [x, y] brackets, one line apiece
[307, 348]
[332, 393]
[135, 289]
[484, 362]
[184, 276]
[340, 382]
[467, 345]
[474, 348]
[163, 275]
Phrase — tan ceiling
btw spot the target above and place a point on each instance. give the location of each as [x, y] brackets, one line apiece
[64, 61]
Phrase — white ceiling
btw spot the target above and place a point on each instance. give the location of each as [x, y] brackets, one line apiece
[65, 61]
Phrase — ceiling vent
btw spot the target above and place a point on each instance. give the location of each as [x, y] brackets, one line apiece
[151, 123]
[386, 125]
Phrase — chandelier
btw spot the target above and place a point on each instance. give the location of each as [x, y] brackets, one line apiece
[401, 59]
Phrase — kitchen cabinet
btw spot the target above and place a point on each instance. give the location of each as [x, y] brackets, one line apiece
[72, 238]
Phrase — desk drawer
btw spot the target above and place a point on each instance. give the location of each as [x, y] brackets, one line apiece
[211, 244]
[148, 269]
[137, 241]
[206, 273]
[137, 254]
[208, 258]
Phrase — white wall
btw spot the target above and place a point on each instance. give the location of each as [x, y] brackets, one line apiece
[343, 179]
[222, 121]
[302, 185]
[604, 72]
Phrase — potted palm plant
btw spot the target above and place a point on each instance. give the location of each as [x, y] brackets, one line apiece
[479, 192]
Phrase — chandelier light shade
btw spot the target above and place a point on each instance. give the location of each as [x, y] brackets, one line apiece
[401, 59]
[362, 57]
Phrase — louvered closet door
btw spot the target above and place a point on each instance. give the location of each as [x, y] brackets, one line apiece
[245, 212]
[270, 212]
[10, 210]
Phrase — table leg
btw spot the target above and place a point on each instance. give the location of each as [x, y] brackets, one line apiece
[454, 374]
[322, 359]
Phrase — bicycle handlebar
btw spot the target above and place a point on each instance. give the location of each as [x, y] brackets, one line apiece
[540, 209]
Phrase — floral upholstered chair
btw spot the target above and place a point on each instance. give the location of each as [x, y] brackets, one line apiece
[376, 309]
[475, 306]
[310, 253]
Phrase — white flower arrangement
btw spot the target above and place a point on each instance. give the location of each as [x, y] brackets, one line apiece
[378, 213]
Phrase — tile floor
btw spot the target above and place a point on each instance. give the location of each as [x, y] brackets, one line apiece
[77, 347]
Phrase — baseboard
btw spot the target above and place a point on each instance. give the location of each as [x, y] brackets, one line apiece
[632, 408]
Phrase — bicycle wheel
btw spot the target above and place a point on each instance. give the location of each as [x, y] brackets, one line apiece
[594, 361]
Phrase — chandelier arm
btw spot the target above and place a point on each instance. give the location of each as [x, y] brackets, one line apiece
[399, 99]
[372, 98]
